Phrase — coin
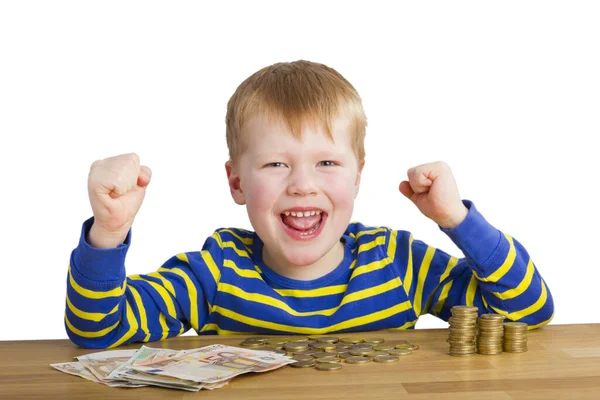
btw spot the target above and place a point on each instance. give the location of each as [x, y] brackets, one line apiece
[308, 352]
[303, 364]
[357, 360]
[361, 346]
[322, 354]
[328, 339]
[385, 359]
[323, 346]
[294, 348]
[380, 353]
[383, 347]
[374, 340]
[328, 359]
[349, 340]
[361, 352]
[301, 357]
[328, 367]
[252, 345]
[400, 352]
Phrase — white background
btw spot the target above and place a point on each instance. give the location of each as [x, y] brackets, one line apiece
[507, 93]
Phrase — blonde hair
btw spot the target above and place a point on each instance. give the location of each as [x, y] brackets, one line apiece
[294, 93]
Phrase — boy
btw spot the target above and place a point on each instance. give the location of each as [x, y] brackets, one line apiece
[295, 133]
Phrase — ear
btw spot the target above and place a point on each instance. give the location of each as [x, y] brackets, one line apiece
[358, 174]
[234, 183]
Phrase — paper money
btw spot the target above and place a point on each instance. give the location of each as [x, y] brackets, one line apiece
[101, 364]
[214, 363]
[77, 369]
[209, 367]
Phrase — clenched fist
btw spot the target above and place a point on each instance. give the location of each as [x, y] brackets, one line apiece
[432, 188]
[116, 187]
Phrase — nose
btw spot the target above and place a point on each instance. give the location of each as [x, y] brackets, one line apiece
[302, 183]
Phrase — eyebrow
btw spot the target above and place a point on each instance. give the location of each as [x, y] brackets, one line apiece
[321, 154]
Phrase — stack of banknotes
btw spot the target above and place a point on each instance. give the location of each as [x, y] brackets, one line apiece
[209, 367]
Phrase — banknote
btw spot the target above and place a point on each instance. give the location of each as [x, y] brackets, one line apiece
[213, 364]
[209, 367]
[76, 368]
[144, 355]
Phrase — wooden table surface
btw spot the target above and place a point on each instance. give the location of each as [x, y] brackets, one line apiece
[563, 362]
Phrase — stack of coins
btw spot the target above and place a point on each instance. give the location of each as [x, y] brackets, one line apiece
[463, 331]
[515, 337]
[491, 330]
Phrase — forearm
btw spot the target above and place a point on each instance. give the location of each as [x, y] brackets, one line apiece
[502, 272]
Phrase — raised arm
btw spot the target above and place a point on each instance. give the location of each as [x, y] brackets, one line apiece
[497, 274]
[104, 308]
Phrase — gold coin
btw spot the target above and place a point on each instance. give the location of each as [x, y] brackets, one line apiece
[323, 346]
[400, 352]
[464, 308]
[404, 346]
[361, 346]
[308, 352]
[251, 345]
[328, 339]
[328, 359]
[343, 354]
[515, 325]
[357, 360]
[294, 349]
[301, 357]
[375, 340]
[497, 317]
[277, 342]
[385, 359]
[361, 352]
[322, 354]
[303, 364]
[350, 340]
[383, 347]
[380, 353]
[328, 367]
[415, 346]
[298, 343]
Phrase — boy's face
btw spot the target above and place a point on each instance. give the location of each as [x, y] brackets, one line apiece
[278, 174]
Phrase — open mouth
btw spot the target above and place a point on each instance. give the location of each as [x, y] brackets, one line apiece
[302, 225]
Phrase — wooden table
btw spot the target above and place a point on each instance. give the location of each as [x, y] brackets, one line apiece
[563, 362]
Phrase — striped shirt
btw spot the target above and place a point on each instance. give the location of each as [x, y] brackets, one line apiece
[386, 280]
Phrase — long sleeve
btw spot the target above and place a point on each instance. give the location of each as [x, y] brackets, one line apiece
[497, 274]
[105, 308]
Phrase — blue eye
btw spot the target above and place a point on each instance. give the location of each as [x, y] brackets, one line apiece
[274, 164]
[327, 163]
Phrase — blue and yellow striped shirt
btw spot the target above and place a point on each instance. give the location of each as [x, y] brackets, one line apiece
[386, 281]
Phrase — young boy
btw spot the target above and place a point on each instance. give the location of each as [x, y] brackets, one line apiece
[295, 133]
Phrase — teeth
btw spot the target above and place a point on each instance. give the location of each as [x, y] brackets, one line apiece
[302, 214]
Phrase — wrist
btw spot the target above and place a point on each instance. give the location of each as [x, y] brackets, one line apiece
[102, 239]
[455, 218]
